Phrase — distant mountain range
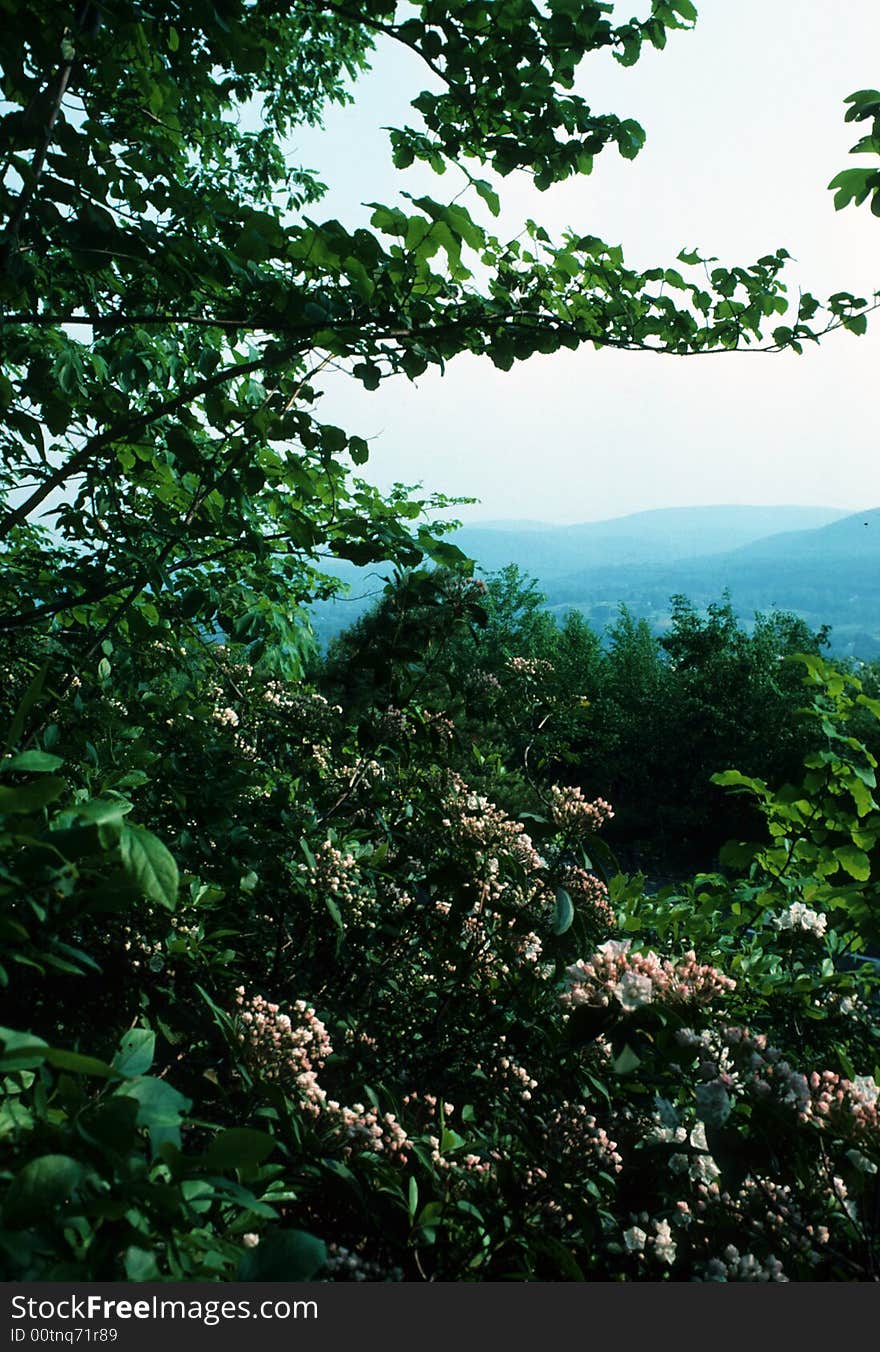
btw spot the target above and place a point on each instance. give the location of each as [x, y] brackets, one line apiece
[820, 563]
[663, 536]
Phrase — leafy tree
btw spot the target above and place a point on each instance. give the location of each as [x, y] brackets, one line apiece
[735, 702]
[169, 300]
[629, 742]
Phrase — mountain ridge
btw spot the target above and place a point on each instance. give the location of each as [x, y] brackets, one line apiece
[663, 533]
[825, 570]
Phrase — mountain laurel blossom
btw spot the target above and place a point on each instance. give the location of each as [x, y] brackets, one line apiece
[801, 917]
[616, 975]
[571, 811]
[590, 894]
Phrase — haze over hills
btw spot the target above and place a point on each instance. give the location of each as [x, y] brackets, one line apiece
[661, 535]
[821, 563]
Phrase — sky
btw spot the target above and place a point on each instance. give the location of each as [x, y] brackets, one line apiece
[745, 129]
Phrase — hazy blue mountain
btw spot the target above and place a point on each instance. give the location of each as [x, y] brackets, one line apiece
[821, 563]
[853, 537]
[665, 534]
[829, 575]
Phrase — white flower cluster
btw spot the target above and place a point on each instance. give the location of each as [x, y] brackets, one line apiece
[867, 1087]
[734, 1266]
[801, 917]
[661, 1244]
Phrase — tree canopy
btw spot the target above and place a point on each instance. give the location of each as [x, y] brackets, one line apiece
[170, 294]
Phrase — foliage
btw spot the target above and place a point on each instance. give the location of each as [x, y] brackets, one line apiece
[646, 720]
[855, 185]
[671, 711]
[370, 1011]
[169, 304]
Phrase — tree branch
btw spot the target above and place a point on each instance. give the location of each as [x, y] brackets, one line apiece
[127, 428]
[25, 198]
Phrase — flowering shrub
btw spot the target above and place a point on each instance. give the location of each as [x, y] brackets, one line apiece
[590, 894]
[408, 1022]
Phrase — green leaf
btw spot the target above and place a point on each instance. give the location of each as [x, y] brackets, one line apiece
[136, 1050]
[736, 779]
[564, 916]
[283, 1256]
[140, 1264]
[238, 1148]
[31, 797]
[245, 1198]
[149, 865]
[42, 1189]
[335, 914]
[865, 103]
[160, 1109]
[854, 861]
[737, 854]
[31, 762]
[488, 194]
[626, 1061]
[447, 555]
[852, 185]
[62, 1059]
[103, 810]
[21, 1051]
[864, 799]
[370, 376]
[450, 1140]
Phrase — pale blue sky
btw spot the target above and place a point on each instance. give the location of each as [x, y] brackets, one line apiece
[745, 128]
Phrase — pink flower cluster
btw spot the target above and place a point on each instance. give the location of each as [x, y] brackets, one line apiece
[849, 1107]
[660, 1245]
[484, 683]
[573, 1132]
[394, 723]
[335, 872]
[778, 1213]
[734, 1058]
[396, 898]
[571, 811]
[372, 1130]
[289, 1051]
[475, 822]
[519, 1076]
[426, 1108]
[590, 894]
[495, 945]
[616, 976]
[531, 667]
[442, 726]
